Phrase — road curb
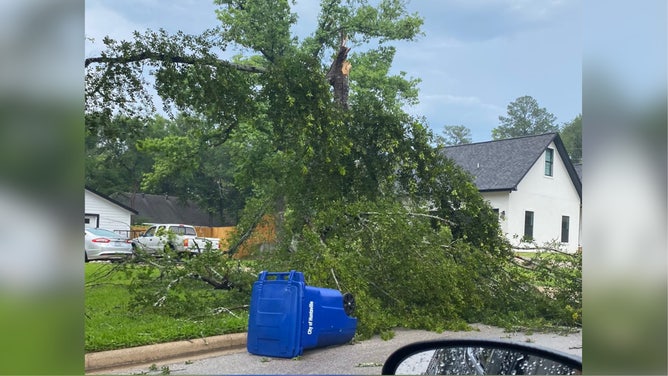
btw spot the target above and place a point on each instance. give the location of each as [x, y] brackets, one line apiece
[98, 361]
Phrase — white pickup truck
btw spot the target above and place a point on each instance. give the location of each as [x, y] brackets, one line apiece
[180, 238]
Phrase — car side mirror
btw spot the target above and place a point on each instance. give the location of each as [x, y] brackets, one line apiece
[479, 357]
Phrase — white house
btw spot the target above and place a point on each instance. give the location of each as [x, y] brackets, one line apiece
[104, 212]
[531, 183]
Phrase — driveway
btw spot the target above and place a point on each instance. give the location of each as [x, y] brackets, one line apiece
[365, 357]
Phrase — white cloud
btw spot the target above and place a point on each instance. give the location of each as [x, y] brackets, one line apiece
[456, 99]
[525, 8]
[479, 20]
[460, 100]
[470, 111]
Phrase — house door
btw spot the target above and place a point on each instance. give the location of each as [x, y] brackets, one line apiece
[92, 220]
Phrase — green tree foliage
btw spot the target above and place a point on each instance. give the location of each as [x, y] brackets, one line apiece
[525, 118]
[456, 135]
[142, 155]
[454, 197]
[571, 134]
[405, 271]
[183, 286]
[559, 275]
[113, 163]
[360, 199]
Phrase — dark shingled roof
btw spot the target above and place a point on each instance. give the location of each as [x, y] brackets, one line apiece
[167, 209]
[578, 169]
[501, 165]
[115, 202]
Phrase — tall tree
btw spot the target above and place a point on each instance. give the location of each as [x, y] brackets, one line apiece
[456, 135]
[316, 135]
[525, 118]
[280, 88]
[571, 134]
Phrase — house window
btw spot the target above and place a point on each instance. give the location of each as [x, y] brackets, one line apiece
[528, 226]
[91, 220]
[549, 161]
[564, 228]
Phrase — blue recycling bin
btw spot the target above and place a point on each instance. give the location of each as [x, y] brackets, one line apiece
[288, 317]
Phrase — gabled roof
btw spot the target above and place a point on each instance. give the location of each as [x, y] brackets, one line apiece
[115, 202]
[500, 165]
[167, 209]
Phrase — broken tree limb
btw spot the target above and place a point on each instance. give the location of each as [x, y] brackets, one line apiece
[338, 74]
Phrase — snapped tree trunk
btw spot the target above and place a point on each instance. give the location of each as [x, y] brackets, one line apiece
[338, 74]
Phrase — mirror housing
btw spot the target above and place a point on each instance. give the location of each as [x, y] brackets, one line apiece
[479, 357]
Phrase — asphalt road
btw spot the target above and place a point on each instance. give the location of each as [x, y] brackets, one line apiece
[365, 357]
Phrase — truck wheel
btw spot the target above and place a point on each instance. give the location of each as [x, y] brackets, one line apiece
[349, 304]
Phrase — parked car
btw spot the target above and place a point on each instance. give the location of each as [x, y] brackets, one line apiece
[179, 238]
[101, 244]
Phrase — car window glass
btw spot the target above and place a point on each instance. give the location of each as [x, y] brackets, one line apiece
[150, 231]
[103, 232]
[190, 231]
[178, 230]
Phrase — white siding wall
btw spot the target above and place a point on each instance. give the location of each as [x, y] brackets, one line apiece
[500, 201]
[112, 216]
[549, 198]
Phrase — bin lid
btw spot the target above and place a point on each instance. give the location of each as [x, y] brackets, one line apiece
[276, 314]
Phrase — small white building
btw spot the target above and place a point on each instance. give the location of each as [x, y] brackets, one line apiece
[532, 184]
[104, 212]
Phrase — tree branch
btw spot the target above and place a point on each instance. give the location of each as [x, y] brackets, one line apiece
[413, 215]
[324, 26]
[172, 59]
[431, 217]
[224, 285]
[233, 249]
[542, 248]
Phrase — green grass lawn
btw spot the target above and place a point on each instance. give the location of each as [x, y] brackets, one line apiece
[111, 324]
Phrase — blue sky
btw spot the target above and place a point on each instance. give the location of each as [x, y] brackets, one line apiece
[475, 58]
